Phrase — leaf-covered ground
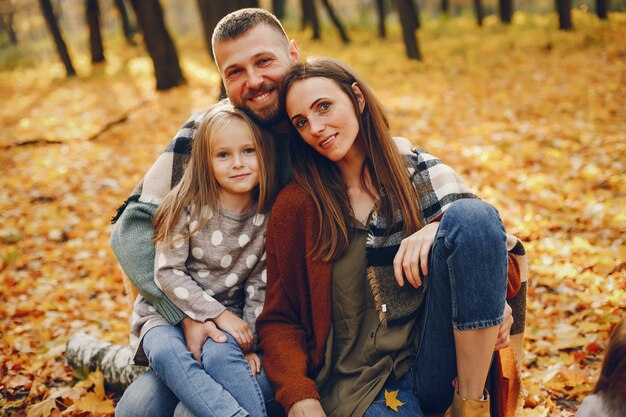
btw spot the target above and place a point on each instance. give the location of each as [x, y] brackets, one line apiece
[533, 118]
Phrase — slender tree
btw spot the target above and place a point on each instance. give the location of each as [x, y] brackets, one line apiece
[335, 19]
[565, 15]
[309, 16]
[92, 11]
[158, 43]
[408, 23]
[414, 13]
[128, 28]
[445, 7]
[53, 26]
[7, 12]
[478, 9]
[278, 7]
[602, 9]
[381, 12]
[506, 11]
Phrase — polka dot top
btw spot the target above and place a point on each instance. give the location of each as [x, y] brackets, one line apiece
[221, 266]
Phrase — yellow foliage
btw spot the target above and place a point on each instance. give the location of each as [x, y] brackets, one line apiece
[392, 401]
[531, 117]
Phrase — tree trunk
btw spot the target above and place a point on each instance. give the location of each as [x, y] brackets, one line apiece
[414, 13]
[602, 9]
[380, 11]
[309, 15]
[445, 7]
[333, 17]
[127, 27]
[205, 7]
[53, 26]
[85, 354]
[7, 13]
[278, 7]
[565, 16]
[211, 12]
[478, 9]
[159, 44]
[405, 8]
[92, 11]
[506, 11]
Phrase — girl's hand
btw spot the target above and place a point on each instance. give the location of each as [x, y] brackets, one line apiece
[196, 333]
[237, 328]
[254, 361]
[413, 254]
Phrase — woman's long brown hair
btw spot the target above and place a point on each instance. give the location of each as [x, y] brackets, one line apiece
[198, 189]
[321, 178]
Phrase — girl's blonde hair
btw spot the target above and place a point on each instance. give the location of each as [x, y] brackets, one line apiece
[321, 178]
[198, 189]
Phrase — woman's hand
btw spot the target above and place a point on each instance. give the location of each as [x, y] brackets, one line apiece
[504, 332]
[254, 361]
[197, 332]
[307, 408]
[413, 255]
[237, 328]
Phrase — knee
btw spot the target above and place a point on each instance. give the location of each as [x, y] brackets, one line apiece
[220, 353]
[162, 346]
[475, 220]
[148, 396]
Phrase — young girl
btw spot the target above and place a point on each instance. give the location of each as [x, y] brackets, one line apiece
[209, 235]
[609, 395]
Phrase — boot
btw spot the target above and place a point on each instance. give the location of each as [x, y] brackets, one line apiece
[468, 408]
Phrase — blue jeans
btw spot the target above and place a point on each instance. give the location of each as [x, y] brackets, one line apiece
[466, 290]
[222, 386]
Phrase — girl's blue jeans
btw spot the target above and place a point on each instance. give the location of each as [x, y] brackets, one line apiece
[222, 386]
[466, 290]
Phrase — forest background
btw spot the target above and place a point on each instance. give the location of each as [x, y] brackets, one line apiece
[533, 117]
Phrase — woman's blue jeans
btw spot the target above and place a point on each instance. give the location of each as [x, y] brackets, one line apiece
[466, 290]
[222, 386]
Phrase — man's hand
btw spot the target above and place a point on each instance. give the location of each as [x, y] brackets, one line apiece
[197, 332]
[504, 333]
[307, 408]
[237, 328]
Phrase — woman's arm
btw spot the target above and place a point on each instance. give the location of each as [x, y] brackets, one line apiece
[282, 335]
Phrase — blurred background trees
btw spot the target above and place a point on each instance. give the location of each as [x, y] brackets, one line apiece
[89, 24]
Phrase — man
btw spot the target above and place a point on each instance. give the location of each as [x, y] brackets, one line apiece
[252, 52]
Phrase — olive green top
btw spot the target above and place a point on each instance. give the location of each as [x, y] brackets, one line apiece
[360, 352]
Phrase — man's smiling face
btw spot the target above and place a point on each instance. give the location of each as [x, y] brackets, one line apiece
[252, 65]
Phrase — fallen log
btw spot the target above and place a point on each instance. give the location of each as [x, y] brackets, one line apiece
[84, 354]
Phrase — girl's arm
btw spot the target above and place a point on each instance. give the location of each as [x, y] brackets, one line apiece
[255, 293]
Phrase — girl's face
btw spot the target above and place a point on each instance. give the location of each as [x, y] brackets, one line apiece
[233, 159]
[324, 116]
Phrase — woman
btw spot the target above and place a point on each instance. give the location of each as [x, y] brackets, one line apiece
[352, 248]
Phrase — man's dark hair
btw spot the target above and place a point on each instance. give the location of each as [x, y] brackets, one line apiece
[235, 24]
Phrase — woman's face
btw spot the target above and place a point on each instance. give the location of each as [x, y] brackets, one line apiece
[324, 116]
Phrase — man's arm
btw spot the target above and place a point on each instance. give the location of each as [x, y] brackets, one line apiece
[131, 241]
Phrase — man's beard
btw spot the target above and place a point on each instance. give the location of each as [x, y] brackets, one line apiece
[265, 117]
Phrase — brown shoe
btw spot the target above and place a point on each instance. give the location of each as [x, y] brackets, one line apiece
[468, 408]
